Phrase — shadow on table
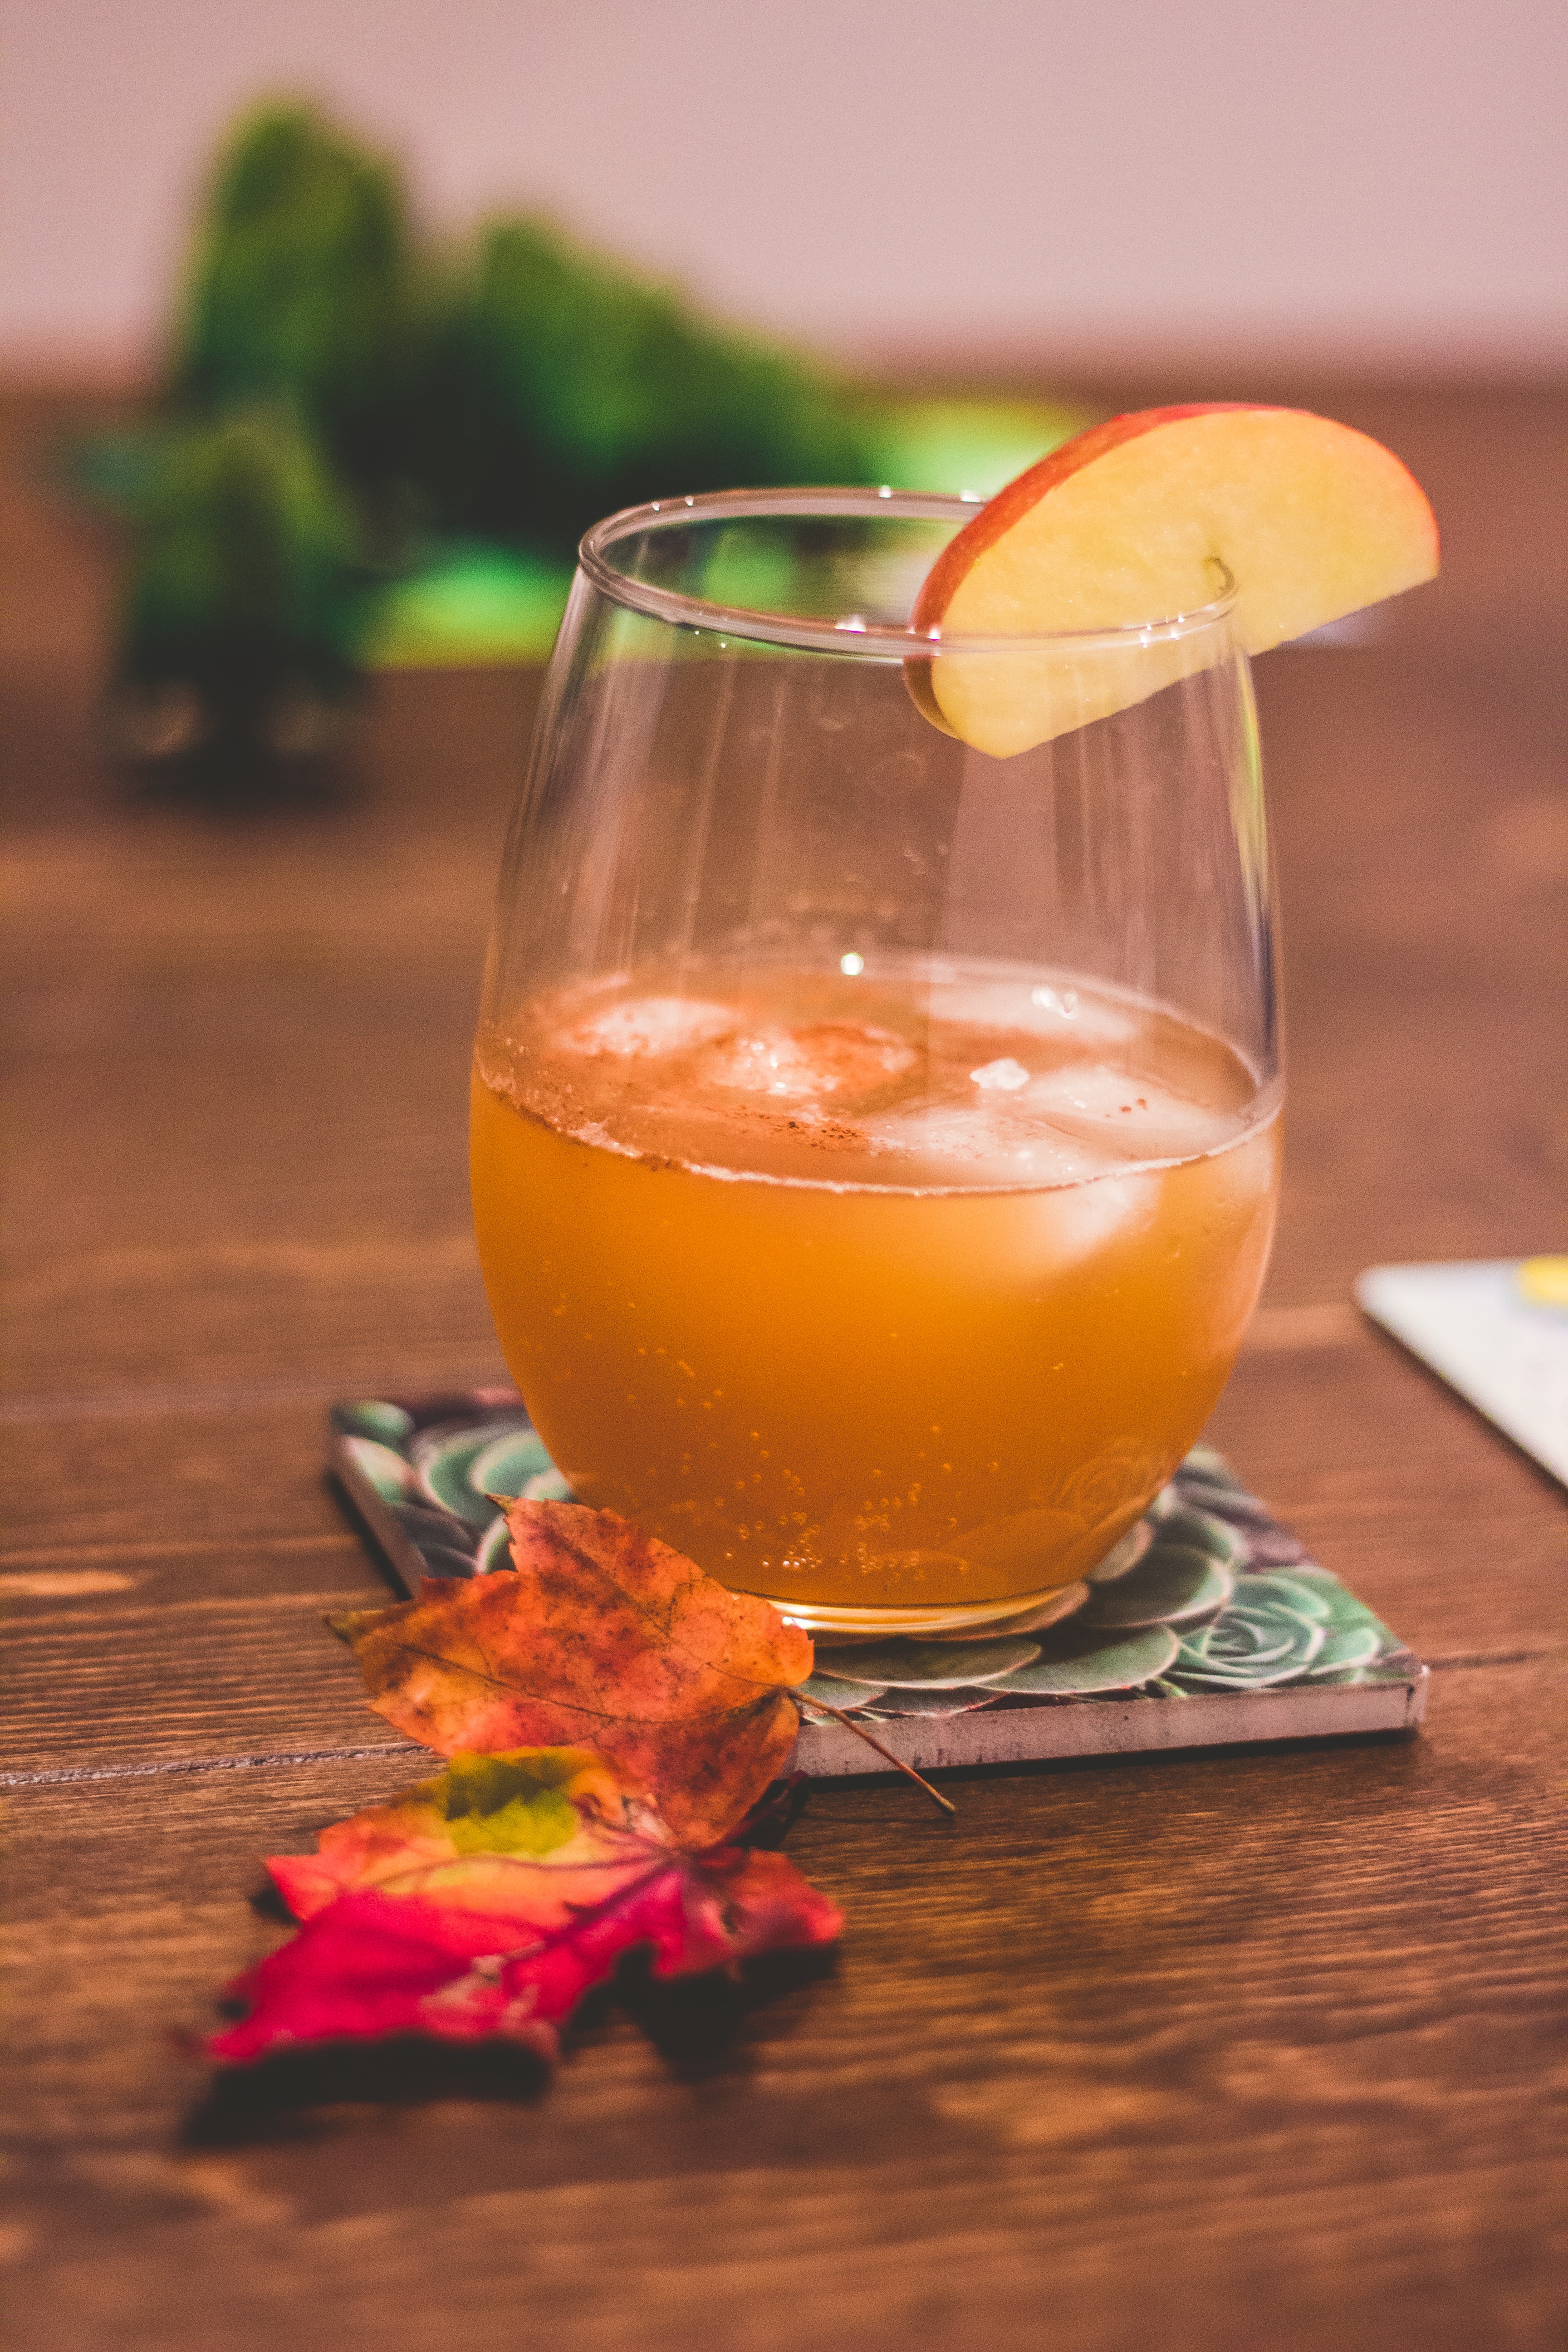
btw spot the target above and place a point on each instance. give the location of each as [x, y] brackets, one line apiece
[227, 781]
[696, 2024]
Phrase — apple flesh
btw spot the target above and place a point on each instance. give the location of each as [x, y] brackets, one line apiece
[1140, 520]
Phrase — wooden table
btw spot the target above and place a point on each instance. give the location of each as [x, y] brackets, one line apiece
[1200, 2052]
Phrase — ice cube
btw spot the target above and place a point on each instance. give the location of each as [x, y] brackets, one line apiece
[984, 1146]
[1138, 1119]
[1004, 1076]
[1053, 1009]
[642, 1026]
[836, 1058]
[1074, 1221]
[1063, 1001]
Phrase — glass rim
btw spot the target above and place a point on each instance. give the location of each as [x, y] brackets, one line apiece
[851, 633]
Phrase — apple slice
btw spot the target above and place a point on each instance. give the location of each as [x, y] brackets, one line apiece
[1139, 521]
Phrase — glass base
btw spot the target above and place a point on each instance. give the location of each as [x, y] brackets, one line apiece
[1013, 1612]
[1017, 1613]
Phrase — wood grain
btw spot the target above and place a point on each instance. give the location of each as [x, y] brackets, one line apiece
[1265, 2041]
[1208, 2053]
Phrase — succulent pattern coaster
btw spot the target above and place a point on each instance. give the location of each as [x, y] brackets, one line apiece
[927, 1663]
[839, 1690]
[1087, 1661]
[944, 1699]
[1206, 1599]
[1175, 1584]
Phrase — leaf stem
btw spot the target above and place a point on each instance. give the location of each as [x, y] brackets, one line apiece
[820, 1706]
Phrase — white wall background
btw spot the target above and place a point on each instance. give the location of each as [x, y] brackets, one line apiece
[1371, 181]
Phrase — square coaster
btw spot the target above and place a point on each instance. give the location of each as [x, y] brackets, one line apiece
[1209, 1623]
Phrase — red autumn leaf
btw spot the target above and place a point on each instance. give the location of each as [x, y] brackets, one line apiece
[488, 1901]
[602, 1638]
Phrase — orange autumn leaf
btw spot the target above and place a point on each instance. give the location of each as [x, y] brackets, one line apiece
[602, 1638]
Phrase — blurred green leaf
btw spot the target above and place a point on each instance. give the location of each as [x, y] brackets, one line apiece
[472, 604]
[957, 444]
[303, 286]
[562, 387]
[248, 584]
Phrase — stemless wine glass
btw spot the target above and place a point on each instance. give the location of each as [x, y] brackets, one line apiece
[875, 1137]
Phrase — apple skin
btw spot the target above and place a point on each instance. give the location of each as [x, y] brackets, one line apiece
[1311, 519]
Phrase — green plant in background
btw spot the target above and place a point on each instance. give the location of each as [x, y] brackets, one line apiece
[563, 389]
[373, 451]
[245, 612]
[272, 488]
[304, 290]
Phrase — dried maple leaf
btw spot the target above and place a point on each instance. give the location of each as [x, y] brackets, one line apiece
[488, 1901]
[605, 1638]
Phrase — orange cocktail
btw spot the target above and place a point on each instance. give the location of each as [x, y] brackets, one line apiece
[874, 1124]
